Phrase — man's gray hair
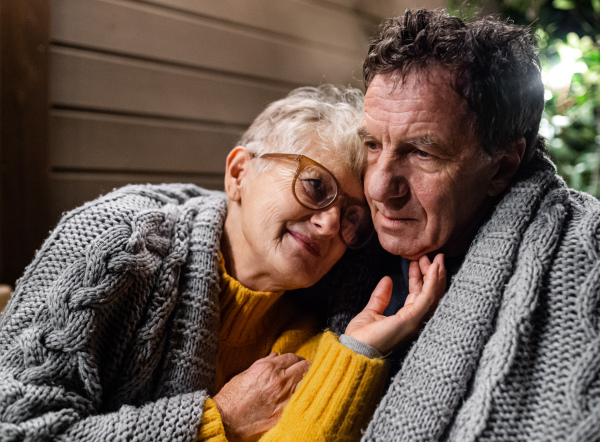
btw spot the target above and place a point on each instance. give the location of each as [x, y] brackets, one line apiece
[326, 117]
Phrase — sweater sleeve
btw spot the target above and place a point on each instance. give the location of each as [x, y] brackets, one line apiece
[336, 398]
[211, 426]
[84, 334]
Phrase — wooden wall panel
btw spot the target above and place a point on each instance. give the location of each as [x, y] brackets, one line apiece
[149, 32]
[307, 21]
[89, 80]
[386, 8]
[92, 142]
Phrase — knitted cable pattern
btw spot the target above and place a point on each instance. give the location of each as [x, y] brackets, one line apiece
[513, 325]
[92, 319]
[584, 381]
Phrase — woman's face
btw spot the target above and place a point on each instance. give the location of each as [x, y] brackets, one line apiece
[276, 243]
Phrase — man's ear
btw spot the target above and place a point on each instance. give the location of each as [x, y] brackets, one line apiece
[507, 165]
[237, 166]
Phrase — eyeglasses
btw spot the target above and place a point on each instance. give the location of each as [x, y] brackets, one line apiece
[316, 188]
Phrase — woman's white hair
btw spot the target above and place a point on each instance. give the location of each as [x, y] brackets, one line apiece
[325, 117]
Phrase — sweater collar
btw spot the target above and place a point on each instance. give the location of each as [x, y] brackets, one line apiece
[243, 311]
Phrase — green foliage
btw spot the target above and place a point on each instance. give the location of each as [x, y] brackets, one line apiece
[568, 33]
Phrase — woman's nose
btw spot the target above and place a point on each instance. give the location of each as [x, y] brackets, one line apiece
[327, 222]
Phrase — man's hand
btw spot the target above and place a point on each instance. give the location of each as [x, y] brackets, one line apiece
[384, 333]
[251, 403]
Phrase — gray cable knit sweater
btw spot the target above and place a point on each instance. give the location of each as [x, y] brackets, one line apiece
[111, 333]
[513, 351]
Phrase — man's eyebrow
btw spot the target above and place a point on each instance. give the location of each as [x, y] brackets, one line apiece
[363, 133]
[421, 141]
[432, 142]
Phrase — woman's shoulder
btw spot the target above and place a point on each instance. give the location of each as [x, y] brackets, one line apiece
[129, 219]
[139, 197]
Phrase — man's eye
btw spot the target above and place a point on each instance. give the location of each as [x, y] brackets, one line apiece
[422, 153]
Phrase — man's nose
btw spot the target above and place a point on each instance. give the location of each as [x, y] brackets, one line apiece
[327, 222]
[386, 179]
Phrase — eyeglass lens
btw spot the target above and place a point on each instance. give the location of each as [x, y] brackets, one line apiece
[316, 188]
[356, 226]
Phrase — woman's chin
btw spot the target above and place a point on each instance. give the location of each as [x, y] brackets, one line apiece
[299, 277]
[298, 273]
[302, 266]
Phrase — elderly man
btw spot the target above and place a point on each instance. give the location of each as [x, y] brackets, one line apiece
[456, 165]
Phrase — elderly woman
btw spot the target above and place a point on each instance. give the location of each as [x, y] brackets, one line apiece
[158, 312]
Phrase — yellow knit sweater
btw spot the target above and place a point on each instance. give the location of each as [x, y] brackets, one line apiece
[337, 396]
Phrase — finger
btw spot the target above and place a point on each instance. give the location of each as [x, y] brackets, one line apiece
[380, 298]
[297, 371]
[424, 264]
[441, 275]
[412, 313]
[431, 287]
[269, 357]
[297, 386]
[286, 360]
[415, 280]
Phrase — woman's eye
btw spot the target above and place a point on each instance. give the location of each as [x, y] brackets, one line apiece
[371, 145]
[314, 187]
[315, 183]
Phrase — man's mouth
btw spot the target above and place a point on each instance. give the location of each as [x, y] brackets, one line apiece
[396, 216]
[393, 221]
[305, 241]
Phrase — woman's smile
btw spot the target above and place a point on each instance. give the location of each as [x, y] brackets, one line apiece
[312, 246]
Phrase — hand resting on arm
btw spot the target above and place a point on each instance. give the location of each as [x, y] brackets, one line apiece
[252, 402]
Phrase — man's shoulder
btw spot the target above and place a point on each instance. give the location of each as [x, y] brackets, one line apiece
[583, 219]
[584, 202]
[539, 188]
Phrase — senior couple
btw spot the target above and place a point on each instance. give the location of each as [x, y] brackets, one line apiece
[171, 312]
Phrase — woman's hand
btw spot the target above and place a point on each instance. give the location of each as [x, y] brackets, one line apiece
[251, 403]
[384, 333]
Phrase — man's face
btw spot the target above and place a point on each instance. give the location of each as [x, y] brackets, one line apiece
[427, 180]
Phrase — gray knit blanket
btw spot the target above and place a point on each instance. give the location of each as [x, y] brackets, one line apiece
[512, 353]
[111, 334]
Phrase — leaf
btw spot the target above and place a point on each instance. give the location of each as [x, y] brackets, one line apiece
[596, 5]
[563, 4]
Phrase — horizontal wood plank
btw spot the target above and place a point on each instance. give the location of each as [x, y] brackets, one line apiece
[386, 8]
[306, 20]
[150, 32]
[89, 141]
[104, 82]
[71, 190]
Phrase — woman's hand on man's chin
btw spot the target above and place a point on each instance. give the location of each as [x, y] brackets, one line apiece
[427, 283]
[252, 402]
